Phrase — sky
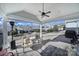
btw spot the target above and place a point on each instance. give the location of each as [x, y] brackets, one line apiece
[1, 22]
[54, 22]
[35, 25]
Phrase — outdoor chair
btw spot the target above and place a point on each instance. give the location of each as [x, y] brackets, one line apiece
[26, 42]
[72, 35]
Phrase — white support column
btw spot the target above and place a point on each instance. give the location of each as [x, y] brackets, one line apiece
[4, 27]
[41, 33]
[5, 33]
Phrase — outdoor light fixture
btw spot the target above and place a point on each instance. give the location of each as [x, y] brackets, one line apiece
[12, 24]
[13, 46]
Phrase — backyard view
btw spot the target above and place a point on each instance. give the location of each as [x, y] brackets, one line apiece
[29, 30]
[30, 42]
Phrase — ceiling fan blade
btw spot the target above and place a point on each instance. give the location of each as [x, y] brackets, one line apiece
[48, 12]
[47, 15]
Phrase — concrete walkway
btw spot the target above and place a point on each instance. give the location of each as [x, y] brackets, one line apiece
[52, 35]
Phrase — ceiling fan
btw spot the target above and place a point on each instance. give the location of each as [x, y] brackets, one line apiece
[43, 13]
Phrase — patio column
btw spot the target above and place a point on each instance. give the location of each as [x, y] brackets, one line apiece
[40, 32]
[5, 33]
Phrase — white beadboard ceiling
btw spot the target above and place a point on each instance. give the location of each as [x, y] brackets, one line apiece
[30, 11]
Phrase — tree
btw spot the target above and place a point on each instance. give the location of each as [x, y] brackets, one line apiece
[55, 28]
